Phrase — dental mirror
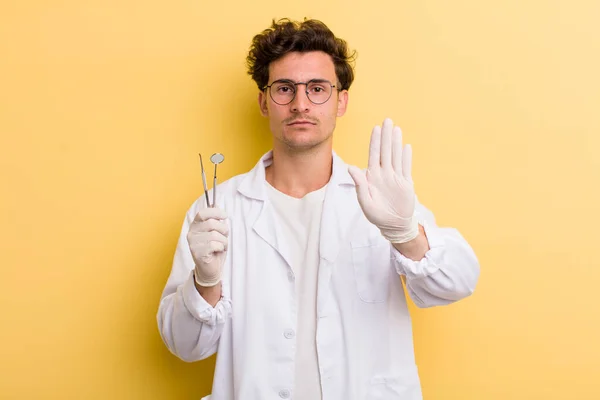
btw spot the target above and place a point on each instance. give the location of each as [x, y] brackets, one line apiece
[216, 159]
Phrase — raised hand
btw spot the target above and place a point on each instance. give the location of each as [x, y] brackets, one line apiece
[386, 192]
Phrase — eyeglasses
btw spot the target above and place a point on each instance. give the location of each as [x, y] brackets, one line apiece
[283, 91]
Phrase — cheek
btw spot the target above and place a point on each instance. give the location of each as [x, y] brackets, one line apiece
[276, 116]
[329, 115]
[277, 112]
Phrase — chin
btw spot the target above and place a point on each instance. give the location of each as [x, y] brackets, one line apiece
[303, 145]
[302, 138]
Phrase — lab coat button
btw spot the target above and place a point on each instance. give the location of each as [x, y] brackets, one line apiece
[284, 394]
[289, 333]
[291, 276]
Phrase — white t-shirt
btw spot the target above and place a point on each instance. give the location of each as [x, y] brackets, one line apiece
[301, 223]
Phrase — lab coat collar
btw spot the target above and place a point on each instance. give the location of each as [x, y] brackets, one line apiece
[253, 185]
[337, 220]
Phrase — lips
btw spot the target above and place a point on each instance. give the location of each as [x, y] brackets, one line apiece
[302, 122]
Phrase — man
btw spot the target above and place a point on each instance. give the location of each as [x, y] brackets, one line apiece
[294, 278]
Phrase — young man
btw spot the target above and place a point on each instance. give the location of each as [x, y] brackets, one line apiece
[294, 278]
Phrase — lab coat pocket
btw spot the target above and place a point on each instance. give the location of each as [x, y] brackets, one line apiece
[395, 387]
[372, 270]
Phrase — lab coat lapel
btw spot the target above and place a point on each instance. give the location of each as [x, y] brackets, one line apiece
[339, 214]
[266, 224]
[267, 227]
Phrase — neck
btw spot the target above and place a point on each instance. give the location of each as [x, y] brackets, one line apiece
[299, 173]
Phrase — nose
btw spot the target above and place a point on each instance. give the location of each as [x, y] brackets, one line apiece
[301, 103]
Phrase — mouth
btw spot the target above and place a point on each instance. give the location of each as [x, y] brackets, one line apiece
[302, 122]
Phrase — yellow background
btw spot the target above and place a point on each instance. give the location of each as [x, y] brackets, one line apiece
[104, 106]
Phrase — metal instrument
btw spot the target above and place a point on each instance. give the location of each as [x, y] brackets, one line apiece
[216, 159]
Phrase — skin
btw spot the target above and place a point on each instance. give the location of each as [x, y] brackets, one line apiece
[302, 151]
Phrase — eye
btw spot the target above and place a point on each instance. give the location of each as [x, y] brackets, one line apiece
[317, 88]
[284, 89]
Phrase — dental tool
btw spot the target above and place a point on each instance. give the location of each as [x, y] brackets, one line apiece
[204, 181]
[216, 159]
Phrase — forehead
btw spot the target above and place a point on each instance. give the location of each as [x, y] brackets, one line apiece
[301, 67]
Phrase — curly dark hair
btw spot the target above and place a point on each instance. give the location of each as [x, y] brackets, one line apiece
[285, 36]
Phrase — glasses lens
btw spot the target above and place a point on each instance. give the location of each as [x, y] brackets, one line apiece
[319, 92]
[282, 92]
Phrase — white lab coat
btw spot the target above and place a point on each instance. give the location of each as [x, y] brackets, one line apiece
[364, 335]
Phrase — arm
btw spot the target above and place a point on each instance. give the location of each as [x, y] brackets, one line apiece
[439, 266]
[190, 325]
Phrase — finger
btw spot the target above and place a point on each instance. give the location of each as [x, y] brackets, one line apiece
[211, 225]
[210, 213]
[216, 247]
[375, 148]
[362, 185]
[407, 162]
[397, 150]
[386, 143]
[217, 237]
[216, 225]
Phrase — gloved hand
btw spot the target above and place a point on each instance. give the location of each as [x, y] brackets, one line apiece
[385, 192]
[208, 240]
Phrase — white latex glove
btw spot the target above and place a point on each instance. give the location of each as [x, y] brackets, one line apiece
[208, 240]
[385, 192]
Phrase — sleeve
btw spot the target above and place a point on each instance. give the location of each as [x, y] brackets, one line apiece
[189, 326]
[448, 272]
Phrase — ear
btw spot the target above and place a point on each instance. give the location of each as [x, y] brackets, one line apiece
[342, 103]
[262, 104]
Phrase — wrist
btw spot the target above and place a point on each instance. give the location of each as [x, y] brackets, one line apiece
[206, 279]
[416, 248]
[402, 232]
[212, 294]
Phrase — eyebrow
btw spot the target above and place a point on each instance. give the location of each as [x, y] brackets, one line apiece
[318, 80]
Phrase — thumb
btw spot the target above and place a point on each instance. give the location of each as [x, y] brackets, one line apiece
[362, 186]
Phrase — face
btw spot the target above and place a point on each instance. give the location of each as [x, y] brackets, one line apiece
[302, 125]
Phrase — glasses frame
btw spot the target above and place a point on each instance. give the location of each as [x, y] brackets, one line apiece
[295, 84]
